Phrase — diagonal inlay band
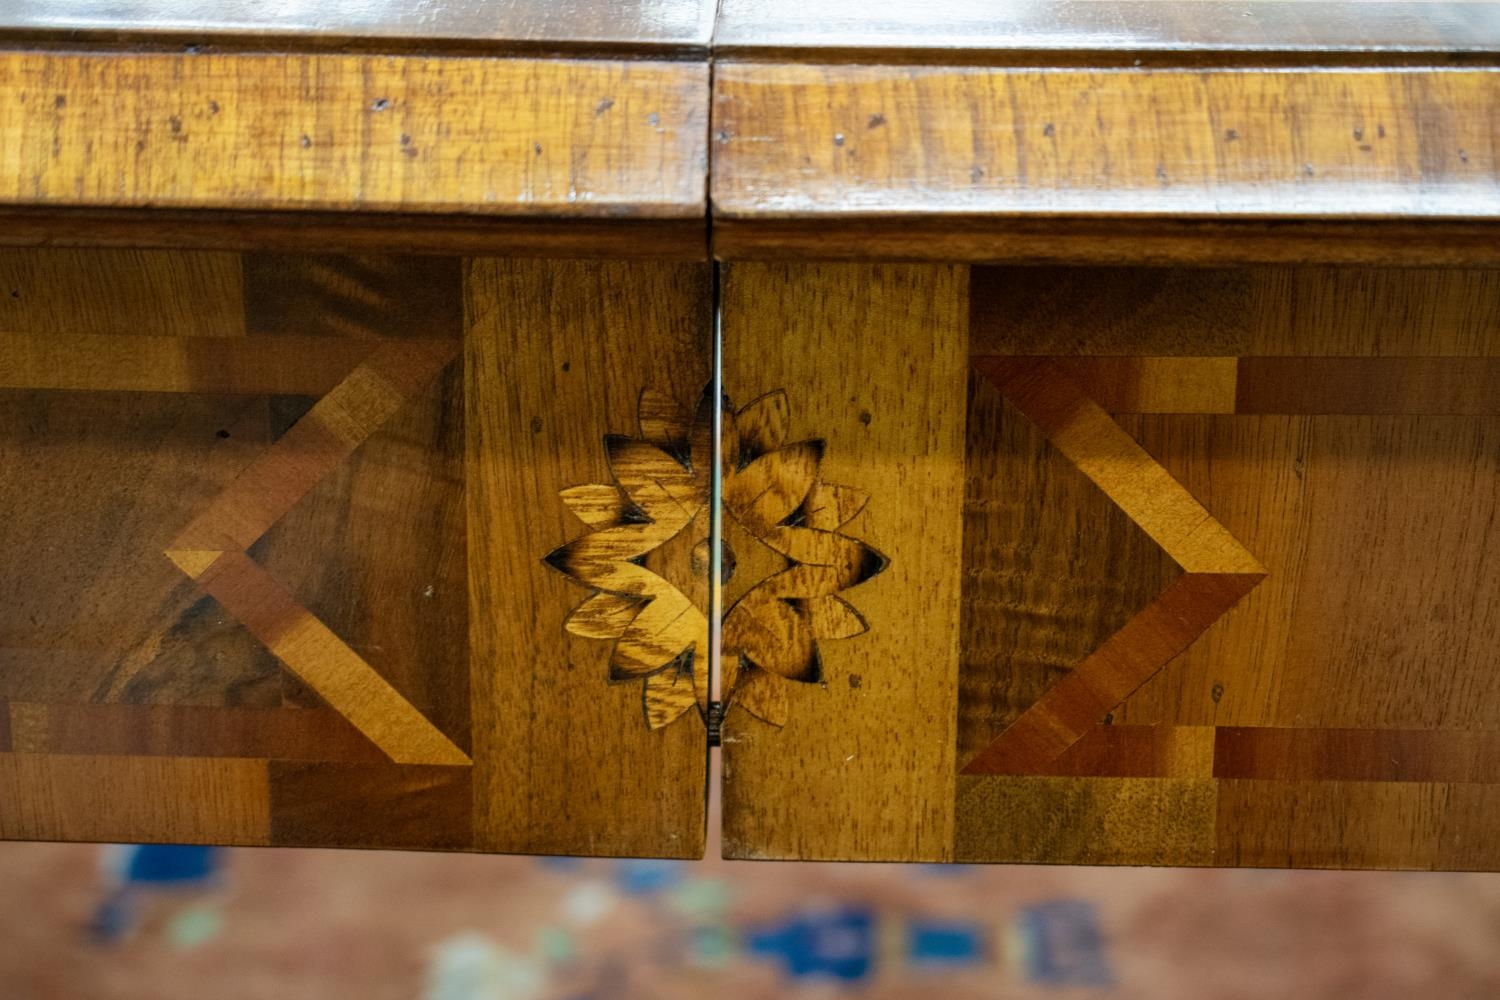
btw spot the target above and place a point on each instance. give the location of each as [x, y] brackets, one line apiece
[211, 549]
[1218, 570]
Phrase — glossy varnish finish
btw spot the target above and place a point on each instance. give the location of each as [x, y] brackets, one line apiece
[1204, 613]
[302, 140]
[946, 163]
[294, 594]
[576, 26]
[838, 778]
[1337, 715]
[1010, 32]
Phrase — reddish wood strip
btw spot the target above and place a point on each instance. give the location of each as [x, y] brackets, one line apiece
[184, 731]
[1155, 385]
[1266, 753]
[371, 805]
[1435, 386]
[1436, 755]
[292, 366]
[1109, 751]
[1105, 678]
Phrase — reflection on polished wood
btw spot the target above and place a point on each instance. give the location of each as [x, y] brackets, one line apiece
[258, 587]
[1090, 32]
[576, 26]
[935, 163]
[293, 150]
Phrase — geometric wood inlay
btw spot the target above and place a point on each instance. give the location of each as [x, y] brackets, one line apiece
[1275, 753]
[211, 550]
[1218, 570]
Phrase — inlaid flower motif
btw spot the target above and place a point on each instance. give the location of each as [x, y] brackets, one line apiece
[784, 558]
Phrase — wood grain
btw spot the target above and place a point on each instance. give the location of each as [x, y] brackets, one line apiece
[185, 731]
[1337, 825]
[1051, 567]
[1008, 33]
[353, 232]
[899, 151]
[340, 133]
[134, 799]
[556, 357]
[123, 472]
[1236, 312]
[389, 522]
[578, 26]
[1272, 753]
[320, 658]
[159, 293]
[1099, 821]
[872, 358]
[200, 565]
[371, 805]
[1381, 604]
[1340, 715]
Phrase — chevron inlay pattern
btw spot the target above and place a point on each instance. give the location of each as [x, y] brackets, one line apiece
[1218, 570]
[211, 550]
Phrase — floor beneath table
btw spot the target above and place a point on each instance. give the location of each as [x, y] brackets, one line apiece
[295, 924]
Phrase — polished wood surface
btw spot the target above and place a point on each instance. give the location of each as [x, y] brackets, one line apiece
[515, 139]
[375, 506]
[266, 553]
[1224, 589]
[1336, 675]
[896, 153]
[573, 26]
[1092, 31]
[1007, 32]
[560, 723]
[1002, 32]
[836, 775]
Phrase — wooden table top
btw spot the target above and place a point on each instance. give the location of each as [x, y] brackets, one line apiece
[998, 31]
[1015, 31]
[573, 26]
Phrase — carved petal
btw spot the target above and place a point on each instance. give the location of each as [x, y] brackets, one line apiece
[833, 618]
[829, 507]
[847, 561]
[763, 424]
[763, 695]
[601, 560]
[661, 419]
[598, 505]
[765, 492]
[603, 616]
[666, 696]
[668, 493]
[663, 630]
[772, 635]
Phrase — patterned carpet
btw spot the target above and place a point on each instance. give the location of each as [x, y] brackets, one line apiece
[293, 924]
